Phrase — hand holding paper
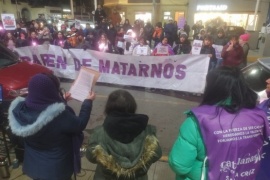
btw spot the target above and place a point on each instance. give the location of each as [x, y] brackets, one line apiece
[67, 96]
[83, 85]
[91, 95]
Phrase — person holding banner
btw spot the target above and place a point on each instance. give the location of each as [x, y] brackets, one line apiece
[125, 146]
[60, 40]
[33, 40]
[104, 45]
[51, 130]
[10, 41]
[184, 46]
[82, 43]
[119, 40]
[18, 31]
[21, 41]
[45, 36]
[163, 48]
[142, 49]
[223, 137]
[207, 48]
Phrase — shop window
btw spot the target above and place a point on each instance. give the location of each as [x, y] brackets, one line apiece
[179, 17]
[144, 16]
[252, 22]
[167, 16]
[123, 17]
[230, 19]
[143, 1]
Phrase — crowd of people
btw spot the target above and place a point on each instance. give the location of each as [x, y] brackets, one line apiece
[110, 36]
[222, 138]
[107, 36]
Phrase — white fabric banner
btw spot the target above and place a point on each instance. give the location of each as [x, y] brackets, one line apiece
[179, 72]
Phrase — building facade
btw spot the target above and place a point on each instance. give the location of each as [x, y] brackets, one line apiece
[235, 13]
[24, 11]
[250, 14]
[149, 10]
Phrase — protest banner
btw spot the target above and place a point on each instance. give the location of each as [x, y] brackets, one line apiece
[162, 49]
[77, 24]
[196, 47]
[218, 49]
[142, 50]
[9, 21]
[179, 72]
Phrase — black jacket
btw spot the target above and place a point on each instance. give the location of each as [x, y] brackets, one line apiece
[182, 48]
[209, 50]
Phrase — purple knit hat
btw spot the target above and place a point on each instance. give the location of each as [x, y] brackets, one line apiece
[42, 92]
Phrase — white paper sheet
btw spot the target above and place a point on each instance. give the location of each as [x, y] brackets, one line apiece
[83, 85]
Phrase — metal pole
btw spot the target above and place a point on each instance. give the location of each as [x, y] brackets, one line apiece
[95, 3]
[1, 5]
[154, 12]
[256, 12]
[17, 12]
[81, 8]
[71, 8]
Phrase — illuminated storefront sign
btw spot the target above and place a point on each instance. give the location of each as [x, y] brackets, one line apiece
[212, 7]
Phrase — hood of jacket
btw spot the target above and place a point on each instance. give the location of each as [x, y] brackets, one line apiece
[124, 168]
[24, 121]
[124, 127]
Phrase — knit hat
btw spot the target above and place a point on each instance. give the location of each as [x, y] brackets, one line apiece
[42, 92]
[183, 34]
[245, 37]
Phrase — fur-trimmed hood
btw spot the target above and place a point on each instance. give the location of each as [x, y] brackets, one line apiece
[119, 163]
[26, 122]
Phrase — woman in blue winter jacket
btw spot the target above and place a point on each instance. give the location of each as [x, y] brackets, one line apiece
[51, 131]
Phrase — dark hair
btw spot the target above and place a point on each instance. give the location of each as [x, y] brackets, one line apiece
[226, 83]
[127, 20]
[208, 37]
[104, 34]
[234, 36]
[144, 40]
[165, 37]
[220, 30]
[159, 24]
[120, 101]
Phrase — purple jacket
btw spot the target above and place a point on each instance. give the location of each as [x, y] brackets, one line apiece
[233, 142]
[264, 172]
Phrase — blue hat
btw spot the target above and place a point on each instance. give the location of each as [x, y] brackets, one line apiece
[42, 92]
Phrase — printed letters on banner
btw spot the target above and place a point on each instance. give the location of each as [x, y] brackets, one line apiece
[178, 72]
